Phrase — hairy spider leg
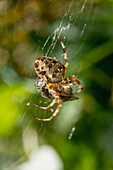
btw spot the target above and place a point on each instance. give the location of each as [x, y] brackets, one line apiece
[70, 81]
[49, 85]
[55, 113]
[42, 87]
[48, 107]
[80, 87]
[79, 84]
[64, 50]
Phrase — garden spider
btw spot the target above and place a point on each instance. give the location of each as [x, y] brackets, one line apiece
[52, 83]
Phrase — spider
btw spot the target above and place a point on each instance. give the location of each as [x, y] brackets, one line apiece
[52, 84]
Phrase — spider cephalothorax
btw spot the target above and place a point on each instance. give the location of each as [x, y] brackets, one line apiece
[52, 84]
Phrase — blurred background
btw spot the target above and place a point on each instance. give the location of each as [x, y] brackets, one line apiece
[80, 137]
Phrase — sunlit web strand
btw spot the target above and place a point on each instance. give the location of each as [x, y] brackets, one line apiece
[71, 133]
[53, 43]
[87, 18]
[24, 132]
[15, 15]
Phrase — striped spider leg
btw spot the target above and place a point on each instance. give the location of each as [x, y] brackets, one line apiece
[70, 81]
[56, 100]
[64, 50]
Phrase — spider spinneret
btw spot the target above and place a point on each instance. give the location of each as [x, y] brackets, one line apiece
[52, 84]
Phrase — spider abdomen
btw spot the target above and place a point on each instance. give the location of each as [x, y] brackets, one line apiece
[52, 69]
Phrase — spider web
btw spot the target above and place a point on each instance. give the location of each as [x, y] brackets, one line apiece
[71, 17]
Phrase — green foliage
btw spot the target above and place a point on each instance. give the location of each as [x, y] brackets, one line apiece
[11, 97]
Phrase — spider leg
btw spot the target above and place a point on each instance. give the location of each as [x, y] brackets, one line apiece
[48, 107]
[79, 84]
[46, 87]
[70, 81]
[64, 50]
[42, 87]
[55, 113]
[80, 87]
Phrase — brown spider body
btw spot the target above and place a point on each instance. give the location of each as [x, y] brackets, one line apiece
[52, 84]
[52, 69]
[64, 91]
